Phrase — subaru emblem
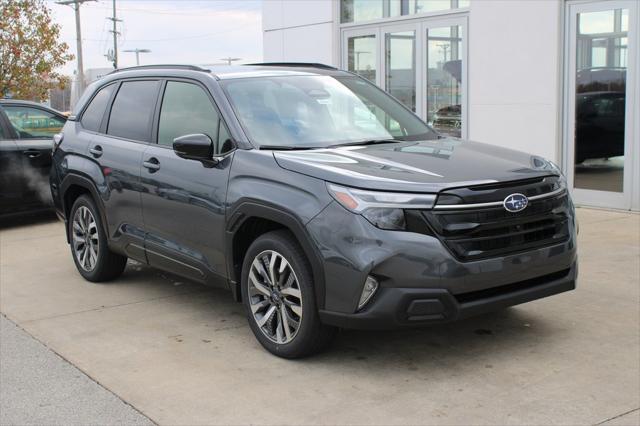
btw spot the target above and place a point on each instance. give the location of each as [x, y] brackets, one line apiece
[515, 203]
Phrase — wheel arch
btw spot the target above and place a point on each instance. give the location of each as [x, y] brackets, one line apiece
[74, 186]
[267, 218]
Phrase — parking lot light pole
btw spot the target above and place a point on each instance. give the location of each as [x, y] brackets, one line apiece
[137, 52]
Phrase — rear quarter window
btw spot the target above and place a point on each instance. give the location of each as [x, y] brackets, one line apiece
[132, 109]
[93, 114]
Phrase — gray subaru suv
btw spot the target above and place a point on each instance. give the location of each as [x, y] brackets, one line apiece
[315, 197]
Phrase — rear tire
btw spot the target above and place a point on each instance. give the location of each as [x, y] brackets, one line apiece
[89, 247]
[279, 297]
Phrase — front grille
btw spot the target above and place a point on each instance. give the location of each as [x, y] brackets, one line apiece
[491, 231]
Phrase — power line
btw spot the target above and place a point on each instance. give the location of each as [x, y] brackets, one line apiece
[151, 40]
[171, 12]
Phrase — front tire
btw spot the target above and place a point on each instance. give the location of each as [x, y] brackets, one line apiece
[279, 298]
[89, 247]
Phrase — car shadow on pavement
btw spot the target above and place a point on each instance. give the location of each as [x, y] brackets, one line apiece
[514, 331]
[28, 219]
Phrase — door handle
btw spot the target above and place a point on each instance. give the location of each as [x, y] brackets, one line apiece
[96, 151]
[152, 164]
[32, 153]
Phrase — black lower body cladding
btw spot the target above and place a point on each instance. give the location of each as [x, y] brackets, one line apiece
[421, 280]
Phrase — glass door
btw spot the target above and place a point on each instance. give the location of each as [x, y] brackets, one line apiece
[445, 71]
[601, 151]
[400, 63]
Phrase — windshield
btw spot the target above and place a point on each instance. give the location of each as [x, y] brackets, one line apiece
[319, 111]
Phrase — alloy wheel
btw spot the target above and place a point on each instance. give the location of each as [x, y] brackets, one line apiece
[85, 238]
[275, 297]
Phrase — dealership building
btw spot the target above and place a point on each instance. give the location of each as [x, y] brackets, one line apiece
[557, 78]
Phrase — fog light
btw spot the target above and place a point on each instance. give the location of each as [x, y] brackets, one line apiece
[369, 289]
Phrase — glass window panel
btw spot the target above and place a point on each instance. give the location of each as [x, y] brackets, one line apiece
[620, 58]
[186, 109]
[366, 10]
[444, 79]
[362, 56]
[624, 24]
[361, 10]
[424, 6]
[596, 22]
[599, 53]
[33, 123]
[395, 8]
[400, 78]
[600, 100]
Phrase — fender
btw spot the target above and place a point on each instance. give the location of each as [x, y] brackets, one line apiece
[260, 209]
[75, 179]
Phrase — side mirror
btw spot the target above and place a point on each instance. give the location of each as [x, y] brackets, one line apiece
[194, 147]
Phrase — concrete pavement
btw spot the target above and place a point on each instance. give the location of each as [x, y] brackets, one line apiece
[183, 354]
[38, 387]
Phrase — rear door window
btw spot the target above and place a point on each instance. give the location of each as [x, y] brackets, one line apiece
[92, 116]
[132, 110]
[32, 122]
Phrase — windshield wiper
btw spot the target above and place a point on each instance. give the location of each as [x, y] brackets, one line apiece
[288, 147]
[365, 142]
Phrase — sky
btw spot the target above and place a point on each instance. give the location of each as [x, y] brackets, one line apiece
[177, 31]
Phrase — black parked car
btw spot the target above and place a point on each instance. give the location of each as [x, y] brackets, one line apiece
[599, 125]
[448, 120]
[600, 113]
[319, 200]
[26, 131]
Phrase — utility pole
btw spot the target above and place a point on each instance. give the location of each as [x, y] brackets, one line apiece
[115, 32]
[137, 52]
[75, 5]
[230, 59]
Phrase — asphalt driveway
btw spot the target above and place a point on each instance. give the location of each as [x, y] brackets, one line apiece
[183, 354]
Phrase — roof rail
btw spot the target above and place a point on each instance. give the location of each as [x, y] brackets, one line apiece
[294, 64]
[162, 66]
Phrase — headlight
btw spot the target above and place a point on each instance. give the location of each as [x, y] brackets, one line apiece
[383, 209]
[555, 168]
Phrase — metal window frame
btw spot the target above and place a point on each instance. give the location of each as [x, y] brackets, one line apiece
[629, 199]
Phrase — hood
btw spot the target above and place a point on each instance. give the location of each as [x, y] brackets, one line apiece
[426, 166]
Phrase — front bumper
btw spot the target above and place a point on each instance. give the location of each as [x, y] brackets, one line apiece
[410, 307]
[421, 282]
